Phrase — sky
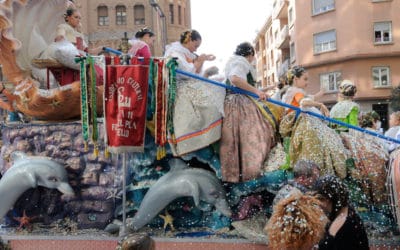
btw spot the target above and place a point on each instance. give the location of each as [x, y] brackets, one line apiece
[223, 24]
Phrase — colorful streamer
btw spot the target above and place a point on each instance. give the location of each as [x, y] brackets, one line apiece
[171, 65]
[93, 105]
[84, 102]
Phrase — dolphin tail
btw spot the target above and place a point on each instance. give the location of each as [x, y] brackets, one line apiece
[152, 204]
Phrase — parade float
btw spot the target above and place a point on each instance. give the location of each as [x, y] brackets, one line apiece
[90, 157]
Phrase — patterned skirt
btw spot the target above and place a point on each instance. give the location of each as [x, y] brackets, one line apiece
[197, 117]
[246, 140]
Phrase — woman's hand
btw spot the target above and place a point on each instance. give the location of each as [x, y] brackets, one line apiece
[205, 57]
[318, 95]
[262, 95]
[324, 110]
[210, 57]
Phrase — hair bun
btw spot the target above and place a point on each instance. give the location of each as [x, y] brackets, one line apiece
[245, 49]
[347, 88]
[144, 31]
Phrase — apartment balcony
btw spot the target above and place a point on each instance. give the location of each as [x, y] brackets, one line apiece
[283, 68]
[280, 9]
[283, 39]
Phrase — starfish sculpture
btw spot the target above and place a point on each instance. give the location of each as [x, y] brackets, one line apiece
[168, 220]
[113, 194]
[55, 103]
[24, 221]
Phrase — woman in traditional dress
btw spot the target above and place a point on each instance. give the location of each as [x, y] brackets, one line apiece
[70, 31]
[198, 107]
[249, 125]
[370, 159]
[296, 95]
[310, 138]
[68, 43]
[144, 38]
[346, 110]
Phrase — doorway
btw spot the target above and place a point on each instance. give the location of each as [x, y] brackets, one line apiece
[383, 111]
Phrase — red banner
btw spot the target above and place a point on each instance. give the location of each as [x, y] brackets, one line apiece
[125, 98]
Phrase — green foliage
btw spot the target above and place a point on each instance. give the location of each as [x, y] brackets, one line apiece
[395, 99]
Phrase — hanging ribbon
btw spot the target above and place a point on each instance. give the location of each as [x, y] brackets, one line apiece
[171, 65]
[151, 92]
[93, 105]
[160, 106]
[108, 61]
[84, 102]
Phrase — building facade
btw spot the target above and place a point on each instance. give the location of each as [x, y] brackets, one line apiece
[105, 22]
[335, 40]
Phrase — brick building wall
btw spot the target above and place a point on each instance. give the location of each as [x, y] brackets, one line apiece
[177, 19]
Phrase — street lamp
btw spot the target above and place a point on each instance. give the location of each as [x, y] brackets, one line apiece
[161, 15]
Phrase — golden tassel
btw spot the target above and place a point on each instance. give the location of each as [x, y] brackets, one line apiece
[161, 152]
[96, 150]
[106, 153]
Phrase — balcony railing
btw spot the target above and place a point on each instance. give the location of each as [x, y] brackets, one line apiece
[283, 38]
[280, 9]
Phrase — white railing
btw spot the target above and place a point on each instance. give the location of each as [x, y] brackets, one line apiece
[283, 35]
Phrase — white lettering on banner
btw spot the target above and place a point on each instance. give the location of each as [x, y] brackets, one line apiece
[122, 126]
[120, 80]
[120, 131]
[136, 86]
[130, 124]
[111, 91]
[125, 121]
[123, 101]
[123, 132]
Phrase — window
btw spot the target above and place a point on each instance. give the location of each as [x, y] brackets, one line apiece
[290, 16]
[120, 12]
[321, 6]
[330, 81]
[184, 16]
[380, 76]
[102, 16]
[171, 13]
[138, 13]
[325, 41]
[292, 53]
[179, 15]
[383, 32]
